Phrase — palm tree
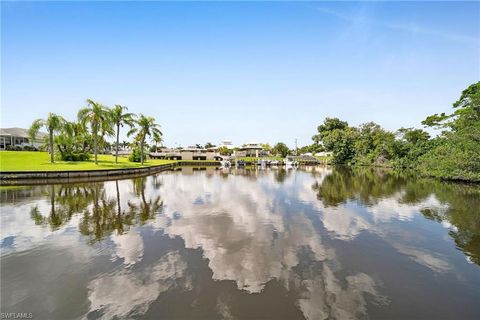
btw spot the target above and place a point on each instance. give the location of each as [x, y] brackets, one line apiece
[98, 117]
[146, 127]
[119, 117]
[157, 138]
[53, 124]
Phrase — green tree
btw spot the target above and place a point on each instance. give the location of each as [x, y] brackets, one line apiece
[157, 138]
[224, 151]
[119, 118]
[98, 117]
[337, 137]
[456, 151]
[267, 147]
[329, 125]
[209, 145]
[413, 136]
[341, 142]
[146, 127]
[281, 149]
[374, 144]
[53, 124]
[73, 142]
[411, 144]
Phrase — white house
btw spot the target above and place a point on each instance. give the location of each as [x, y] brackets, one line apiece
[324, 154]
[251, 149]
[18, 137]
[190, 153]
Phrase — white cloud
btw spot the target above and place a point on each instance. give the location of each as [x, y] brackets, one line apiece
[125, 294]
[362, 18]
[128, 247]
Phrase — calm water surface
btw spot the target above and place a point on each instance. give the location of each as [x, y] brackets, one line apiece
[316, 243]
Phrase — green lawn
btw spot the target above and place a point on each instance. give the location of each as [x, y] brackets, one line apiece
[40, 161]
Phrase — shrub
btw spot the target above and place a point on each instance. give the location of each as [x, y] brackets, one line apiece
[30, 148]
[13, 148]
[74, 156]
[135, 155]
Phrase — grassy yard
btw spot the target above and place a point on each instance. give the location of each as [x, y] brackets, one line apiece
[40, 161]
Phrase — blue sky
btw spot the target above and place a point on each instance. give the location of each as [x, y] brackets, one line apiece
[266, 71]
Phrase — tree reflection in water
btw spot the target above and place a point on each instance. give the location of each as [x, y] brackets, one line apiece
[146, 210]
[460, 203]
[315, 243]
[101, 214]
[64, 200]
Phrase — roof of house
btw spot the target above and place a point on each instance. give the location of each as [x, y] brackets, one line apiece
[251, 146]
[19, 132]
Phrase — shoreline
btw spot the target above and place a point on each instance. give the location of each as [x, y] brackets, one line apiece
[38, 177]
[35, 177]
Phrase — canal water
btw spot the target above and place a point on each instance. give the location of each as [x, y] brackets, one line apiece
[313, 243]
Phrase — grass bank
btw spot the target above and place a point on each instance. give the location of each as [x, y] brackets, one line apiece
[40, 161]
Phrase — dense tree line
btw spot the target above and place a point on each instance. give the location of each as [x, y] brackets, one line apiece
[75, 140]
[453, 154]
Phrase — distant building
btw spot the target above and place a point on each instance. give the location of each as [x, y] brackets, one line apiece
[226, 143]
[223, 144]
[18, 137]
[324, 154]
[194, 153]
[251, 149]
[190, 153]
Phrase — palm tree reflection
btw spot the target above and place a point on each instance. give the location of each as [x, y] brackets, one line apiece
[146, 209]
[64, 202]
[101, 214]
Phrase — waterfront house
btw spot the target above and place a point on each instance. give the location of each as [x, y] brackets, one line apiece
[190, 153]
[324, 154]
[18, 137]
[251, 149]
[223, 144]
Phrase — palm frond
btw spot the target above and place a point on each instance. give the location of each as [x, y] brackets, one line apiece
[131, 131]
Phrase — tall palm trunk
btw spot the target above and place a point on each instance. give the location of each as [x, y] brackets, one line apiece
[141, 150]
[118, 136]
[50, 142]
[95, 143]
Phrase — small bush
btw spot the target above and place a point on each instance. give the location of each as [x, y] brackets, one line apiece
[30, 148]
[135, 155]
[13, 148]
[74, 157]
